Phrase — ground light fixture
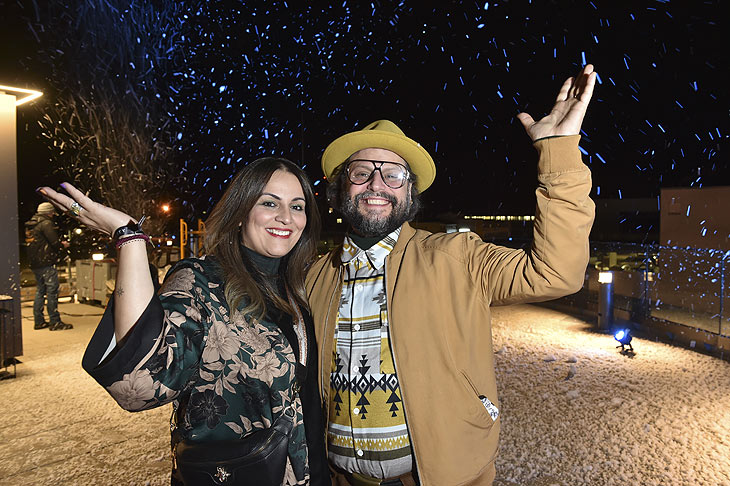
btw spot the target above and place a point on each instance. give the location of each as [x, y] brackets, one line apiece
[623, 336]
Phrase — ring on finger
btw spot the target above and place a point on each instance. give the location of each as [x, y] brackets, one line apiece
[75, 209]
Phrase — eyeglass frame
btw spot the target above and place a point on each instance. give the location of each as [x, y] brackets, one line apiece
[407, 178]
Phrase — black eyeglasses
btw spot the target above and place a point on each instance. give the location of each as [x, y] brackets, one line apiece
[360, 171]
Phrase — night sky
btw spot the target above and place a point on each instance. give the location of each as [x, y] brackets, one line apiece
[218, 84]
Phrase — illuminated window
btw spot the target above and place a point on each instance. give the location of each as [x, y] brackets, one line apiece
[502, 218]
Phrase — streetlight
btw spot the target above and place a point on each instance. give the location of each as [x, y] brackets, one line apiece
[11, 331]
[30, 94]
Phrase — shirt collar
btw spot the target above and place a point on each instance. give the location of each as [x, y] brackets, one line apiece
[375, 255]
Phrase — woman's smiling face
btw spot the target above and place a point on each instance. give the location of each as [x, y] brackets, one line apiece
[278, 218]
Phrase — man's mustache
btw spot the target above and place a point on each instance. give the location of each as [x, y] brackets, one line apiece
[368, 194]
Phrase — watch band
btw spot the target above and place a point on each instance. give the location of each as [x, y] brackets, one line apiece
[129, 229]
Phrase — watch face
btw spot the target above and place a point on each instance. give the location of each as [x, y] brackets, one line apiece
[130, 228]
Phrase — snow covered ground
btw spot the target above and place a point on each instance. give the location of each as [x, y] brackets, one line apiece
[574, 411]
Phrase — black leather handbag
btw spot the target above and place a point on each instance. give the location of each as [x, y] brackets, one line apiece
[258, 459]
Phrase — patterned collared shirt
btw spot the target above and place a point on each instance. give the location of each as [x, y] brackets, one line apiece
[367, 427]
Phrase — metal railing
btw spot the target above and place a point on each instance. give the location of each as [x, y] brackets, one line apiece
[677, 284]
[681, 285]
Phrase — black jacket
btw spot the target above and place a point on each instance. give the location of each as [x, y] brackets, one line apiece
[41, 236]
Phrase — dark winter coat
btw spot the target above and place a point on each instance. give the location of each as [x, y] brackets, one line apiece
[41, 236]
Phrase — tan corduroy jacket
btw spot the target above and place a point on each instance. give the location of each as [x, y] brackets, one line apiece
[439, 290]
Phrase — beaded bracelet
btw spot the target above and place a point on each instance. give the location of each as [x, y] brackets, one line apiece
[128, 239]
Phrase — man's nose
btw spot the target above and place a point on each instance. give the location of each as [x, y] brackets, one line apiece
[376, 181]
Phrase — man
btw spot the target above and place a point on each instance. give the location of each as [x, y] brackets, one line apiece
[402, 315]
[44, 250]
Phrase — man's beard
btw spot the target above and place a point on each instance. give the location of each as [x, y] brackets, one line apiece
[369, 226]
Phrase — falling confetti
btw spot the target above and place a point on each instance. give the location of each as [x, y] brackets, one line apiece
[205, 88]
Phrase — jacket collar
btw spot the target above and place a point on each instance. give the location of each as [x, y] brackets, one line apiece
[373, 256]
[406, 233]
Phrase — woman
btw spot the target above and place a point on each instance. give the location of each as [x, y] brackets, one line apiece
[228, 338]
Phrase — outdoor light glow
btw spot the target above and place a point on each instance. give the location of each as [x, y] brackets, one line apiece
[624, 337]
[97, 256]
[169, 242]
[165, 207]
[502, 218]
[31, 94]
[78, 231]
[605, 277]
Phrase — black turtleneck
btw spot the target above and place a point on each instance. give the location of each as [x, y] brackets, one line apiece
[267, 268]
[365, 242]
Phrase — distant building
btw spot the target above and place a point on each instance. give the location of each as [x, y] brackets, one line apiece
[692, 261]
[488, 227]
[631, 220]
[699, 218]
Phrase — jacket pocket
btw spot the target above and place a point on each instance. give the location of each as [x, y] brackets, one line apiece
[488, 409]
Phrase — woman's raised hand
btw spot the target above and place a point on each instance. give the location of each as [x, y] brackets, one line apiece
[90, 213]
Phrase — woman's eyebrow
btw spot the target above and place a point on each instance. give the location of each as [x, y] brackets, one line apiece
[279, 198]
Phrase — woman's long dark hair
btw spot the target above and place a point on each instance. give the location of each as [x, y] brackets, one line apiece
[223, 240]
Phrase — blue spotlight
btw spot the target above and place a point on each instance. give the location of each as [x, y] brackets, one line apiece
[624, 337]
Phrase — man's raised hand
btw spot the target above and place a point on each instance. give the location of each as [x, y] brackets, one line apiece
[570, 107]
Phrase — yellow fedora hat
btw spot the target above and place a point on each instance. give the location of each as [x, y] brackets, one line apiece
[382, 134]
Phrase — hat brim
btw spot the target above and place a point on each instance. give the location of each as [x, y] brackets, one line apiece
[418, 159]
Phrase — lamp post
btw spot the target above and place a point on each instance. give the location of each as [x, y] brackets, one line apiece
[605, 300]
[11, 337]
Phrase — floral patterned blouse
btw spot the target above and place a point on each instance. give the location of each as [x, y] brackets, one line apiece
[236, 372]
